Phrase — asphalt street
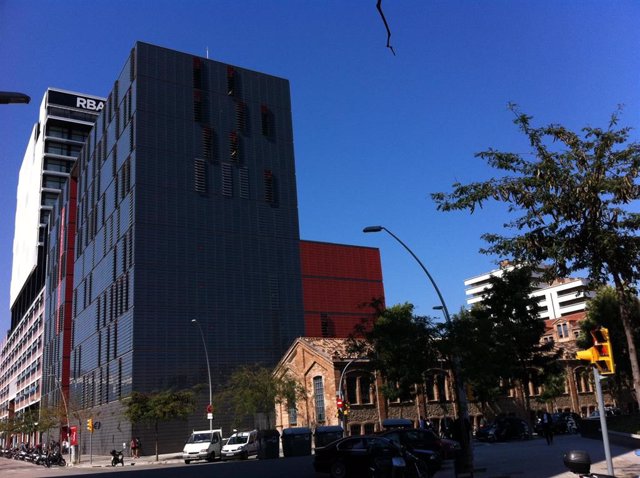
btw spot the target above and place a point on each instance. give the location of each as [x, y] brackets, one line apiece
[517, 459]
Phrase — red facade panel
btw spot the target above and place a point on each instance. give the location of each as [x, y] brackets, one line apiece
[338, 282]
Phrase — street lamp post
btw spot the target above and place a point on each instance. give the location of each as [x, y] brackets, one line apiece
[461, 394]
[66, 412]
[340, 394]
[206, 355]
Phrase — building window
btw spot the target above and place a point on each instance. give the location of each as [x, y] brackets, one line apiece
[562, 330]
[318, 393]
[265, 116]
[231, 81]
[354, 429]
[293, 414]
[200, 172]
[325, 325]
[269, 187]
[227, 182]
[369, 428]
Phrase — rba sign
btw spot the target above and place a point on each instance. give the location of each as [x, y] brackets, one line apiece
[89, 104]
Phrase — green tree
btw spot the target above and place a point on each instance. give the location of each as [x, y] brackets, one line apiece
[466, 336]
[157, 407]
[500, 339]
[569, 202]
[401, 346]
[254, 390]
[604, 310]
[553, 387]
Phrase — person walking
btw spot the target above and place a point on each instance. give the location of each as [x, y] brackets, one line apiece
[547, 427]
[134, 448]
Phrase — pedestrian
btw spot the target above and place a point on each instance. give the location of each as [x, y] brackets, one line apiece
[422, 423]
[547, 427]
[134, 448]
[138, 447]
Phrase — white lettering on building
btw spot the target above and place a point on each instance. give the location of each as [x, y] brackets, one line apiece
[89, 104]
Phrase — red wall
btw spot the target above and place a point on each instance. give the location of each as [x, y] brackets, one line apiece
[339, 281]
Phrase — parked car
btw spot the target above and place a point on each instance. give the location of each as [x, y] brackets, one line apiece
[367, 455]
[203, 445]
[241, 445]
[504, 428]
[609, 412]
[416, 439]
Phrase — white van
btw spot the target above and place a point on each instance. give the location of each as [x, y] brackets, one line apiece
[241, 445]
[203, 445]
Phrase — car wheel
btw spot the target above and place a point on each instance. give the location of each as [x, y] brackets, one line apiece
[187, 462]
[211, 457]
[338, 470]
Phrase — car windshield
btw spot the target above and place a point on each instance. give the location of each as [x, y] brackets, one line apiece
[199, 438]
[238, 440]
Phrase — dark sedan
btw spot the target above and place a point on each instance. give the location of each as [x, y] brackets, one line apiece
[356, 456]
[505, 428]
[424, 444]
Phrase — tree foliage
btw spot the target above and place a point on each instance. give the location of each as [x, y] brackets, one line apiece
[569, 202]
[253, 390]
[153, 408]
[604, 310]
[401, 346]
[499, 341]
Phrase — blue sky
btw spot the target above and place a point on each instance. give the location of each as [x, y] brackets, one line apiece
[374, 133]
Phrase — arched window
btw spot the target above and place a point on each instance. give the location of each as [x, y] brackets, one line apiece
[318, 394]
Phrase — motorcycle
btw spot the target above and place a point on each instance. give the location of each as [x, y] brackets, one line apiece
[117, 457]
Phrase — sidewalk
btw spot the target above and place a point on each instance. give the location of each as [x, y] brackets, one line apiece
[535, 459]
[105, 461]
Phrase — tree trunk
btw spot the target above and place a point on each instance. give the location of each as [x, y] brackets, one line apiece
[156, 430]
[628, 332]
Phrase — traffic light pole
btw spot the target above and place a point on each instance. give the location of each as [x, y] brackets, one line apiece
[603, 420]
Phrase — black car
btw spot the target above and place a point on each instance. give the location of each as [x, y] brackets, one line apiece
[503, 429]
[357, 456]
[422, 443]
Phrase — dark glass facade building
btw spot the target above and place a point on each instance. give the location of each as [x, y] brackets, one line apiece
[186, 208]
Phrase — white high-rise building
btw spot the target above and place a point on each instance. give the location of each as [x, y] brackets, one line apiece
[64, 121]
[560, 298]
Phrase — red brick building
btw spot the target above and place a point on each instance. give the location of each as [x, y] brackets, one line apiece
[339, 282]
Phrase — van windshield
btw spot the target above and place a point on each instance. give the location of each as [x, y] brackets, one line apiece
[238, 439]
[199, 438]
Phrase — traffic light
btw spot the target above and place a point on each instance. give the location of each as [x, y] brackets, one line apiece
[600, 354]
[90, 424]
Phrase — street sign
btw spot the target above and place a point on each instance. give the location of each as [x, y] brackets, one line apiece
[97, 425]
[209, 416]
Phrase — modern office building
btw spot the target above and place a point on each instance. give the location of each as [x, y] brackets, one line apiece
[186, 209]
[64, 121]
[560, 298]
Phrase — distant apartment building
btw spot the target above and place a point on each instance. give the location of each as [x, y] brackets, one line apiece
[560, 298]
[64, 121]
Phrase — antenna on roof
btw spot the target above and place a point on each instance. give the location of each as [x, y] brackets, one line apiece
[207, 50]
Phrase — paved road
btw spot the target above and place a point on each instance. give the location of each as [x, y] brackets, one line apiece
[526, 459]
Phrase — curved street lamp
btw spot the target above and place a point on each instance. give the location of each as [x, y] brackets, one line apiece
[461, 394]
[206, 354]
[66, 411]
